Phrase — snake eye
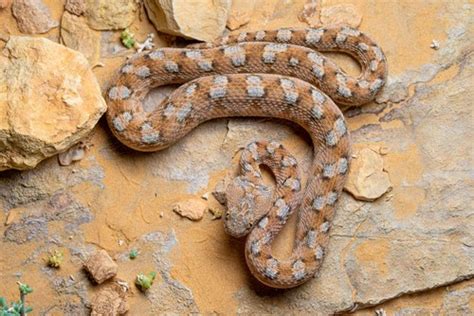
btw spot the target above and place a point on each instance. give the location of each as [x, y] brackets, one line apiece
[249, 225]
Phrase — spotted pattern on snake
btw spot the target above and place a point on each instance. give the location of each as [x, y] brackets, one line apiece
[276, 74]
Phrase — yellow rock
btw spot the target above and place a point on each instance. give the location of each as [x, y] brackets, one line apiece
[49, 100]
[203, 20]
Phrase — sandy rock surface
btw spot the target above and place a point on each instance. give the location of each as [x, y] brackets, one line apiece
[49, 100]
[408, 252]
[203, 20]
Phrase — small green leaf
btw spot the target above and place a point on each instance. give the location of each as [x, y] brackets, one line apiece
[24, 288]
[133, 254]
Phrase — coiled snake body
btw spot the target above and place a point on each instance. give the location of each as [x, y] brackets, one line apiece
[278, 74]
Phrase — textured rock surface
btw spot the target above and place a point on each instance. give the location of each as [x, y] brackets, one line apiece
[110, 15]
[202, 20]
[417, 238]
[367, 179]
[111, 299]
[77, 7]
[33, 16]
[76, 34]
[49, 100]
[100, 266]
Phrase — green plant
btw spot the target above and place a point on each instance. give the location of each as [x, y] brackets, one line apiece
[55, 259]
[133, 254]
[16, 308]
[127, 38]
[144, 282]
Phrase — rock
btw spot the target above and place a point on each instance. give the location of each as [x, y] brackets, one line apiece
[367, 179]
[240, 13]
[76, 34]
[13, 215]
[111, 299]
[33, 16]
[341, 14]
[202, 20]
[49, 100]
[110, 15]
[193, 209]
[5, 3]
[219, 192]
[77, 7]
[100, 266]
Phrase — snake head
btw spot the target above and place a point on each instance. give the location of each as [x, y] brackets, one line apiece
[247, 203]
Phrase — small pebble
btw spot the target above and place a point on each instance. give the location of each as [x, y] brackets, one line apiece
[434, 44]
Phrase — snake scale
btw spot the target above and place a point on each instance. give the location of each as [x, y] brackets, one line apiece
[276, 74]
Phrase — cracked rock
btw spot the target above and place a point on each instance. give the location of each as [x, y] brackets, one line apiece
[101, 267]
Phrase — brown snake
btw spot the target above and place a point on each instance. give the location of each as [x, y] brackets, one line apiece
[278, 74]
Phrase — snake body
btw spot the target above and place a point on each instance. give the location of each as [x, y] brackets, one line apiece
[277, 74]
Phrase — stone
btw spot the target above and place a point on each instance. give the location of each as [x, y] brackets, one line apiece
[5, 3]
[76, 34]
[13, 215]
[110, 15]
[367, 179]
[77, 7]
[49, 100]
[219, 192]
[101, 267]
[111, 299]
[240, 13]
[202, 20]
[193, 209]
[341, 14]
[33, 16]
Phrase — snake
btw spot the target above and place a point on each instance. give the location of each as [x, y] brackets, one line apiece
[278, 74]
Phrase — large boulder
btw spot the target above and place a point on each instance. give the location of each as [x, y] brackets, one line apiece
[49, 100]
